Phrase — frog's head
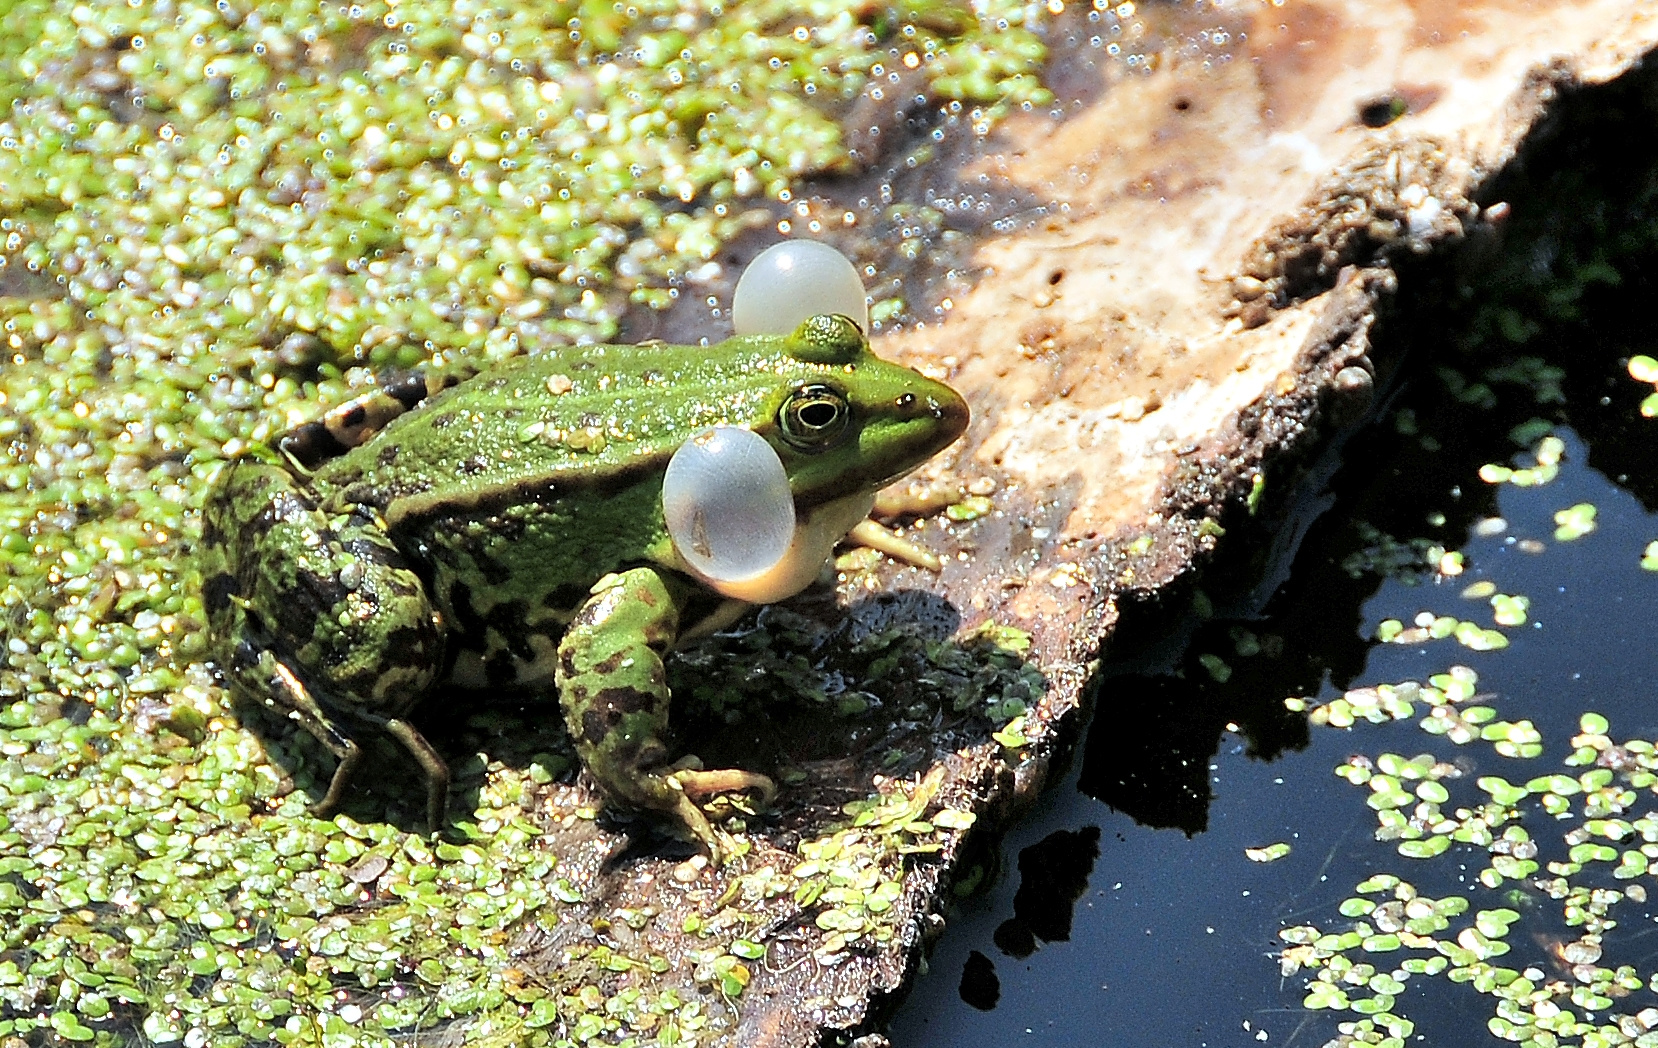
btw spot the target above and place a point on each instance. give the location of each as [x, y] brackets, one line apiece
[843, 423]
[849, 422]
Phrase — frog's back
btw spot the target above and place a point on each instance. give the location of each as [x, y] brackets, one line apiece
[517, 490]
[580, 418]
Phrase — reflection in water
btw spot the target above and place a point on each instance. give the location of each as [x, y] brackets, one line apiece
[979, 985]
[1053, 874]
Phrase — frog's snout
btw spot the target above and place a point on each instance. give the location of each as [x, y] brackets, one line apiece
[944, 406]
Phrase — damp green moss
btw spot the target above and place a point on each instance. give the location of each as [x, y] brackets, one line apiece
[213, 216]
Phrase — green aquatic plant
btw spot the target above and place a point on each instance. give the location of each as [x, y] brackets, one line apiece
[1564, 996]
[215, 218]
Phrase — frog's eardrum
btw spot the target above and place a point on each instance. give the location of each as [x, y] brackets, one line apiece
[789, 282]
[726, 499]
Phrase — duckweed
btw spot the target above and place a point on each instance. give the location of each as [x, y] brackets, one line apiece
[1530, 1006]
[1268, 853]
[1548, 454]
[1574, 522]
[214, 218]
[1428, 626]
[1643, 368]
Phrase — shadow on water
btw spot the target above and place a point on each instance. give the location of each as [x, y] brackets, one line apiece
[1172, 938]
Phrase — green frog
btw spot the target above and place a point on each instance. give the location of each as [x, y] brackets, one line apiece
[505, 531]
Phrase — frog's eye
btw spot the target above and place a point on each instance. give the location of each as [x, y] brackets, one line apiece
[814, 417]
[789, 282]
[726, 500]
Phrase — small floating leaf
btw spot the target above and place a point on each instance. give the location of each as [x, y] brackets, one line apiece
[1268, 853]
[1501, 790]
[1426, 848]
[1574, 522]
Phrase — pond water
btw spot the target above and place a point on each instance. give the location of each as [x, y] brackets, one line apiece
[1129, 910]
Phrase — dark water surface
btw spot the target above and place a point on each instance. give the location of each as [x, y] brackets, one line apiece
[1127, 912]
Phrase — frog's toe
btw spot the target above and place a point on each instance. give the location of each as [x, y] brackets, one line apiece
[691, 817]
[699, 783]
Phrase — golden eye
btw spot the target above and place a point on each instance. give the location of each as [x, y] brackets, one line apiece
[814, 418]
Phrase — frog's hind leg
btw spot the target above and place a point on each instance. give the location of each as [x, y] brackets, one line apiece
[259, 673]
[697, 782]
[318, 616]
[614, 692]
[432, 765]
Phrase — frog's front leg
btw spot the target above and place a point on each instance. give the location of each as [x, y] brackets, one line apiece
[614, 692]
[316, 615]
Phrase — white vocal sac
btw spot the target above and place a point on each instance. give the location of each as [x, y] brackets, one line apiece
[726, 499]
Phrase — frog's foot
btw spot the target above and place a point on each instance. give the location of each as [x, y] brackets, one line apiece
[698, 783]
[673, 793]
[883, 539]
[282, 691]
[432, 765]
[685, 811]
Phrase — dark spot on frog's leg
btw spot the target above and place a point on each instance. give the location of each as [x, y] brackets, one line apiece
[611, 663]
[605, 710]
[595, 725]
[494, 572]
[311, 444]
[325, 590]
[406, 646]
[217, 591]
[467, 619]
[623, 700]
[508, 621]
[445, 420]
[388, 454]
[565, 598]
[500, 671]
[408, 390]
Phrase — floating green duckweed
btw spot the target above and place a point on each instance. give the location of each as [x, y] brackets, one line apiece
[1428, 626]
[1576, 1005]
[213, 217]
[1510, 609]
[1574, 522]
[1267, 853]
[1643, 368]
[1548, 453]
[131, 870]
[970, 508]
